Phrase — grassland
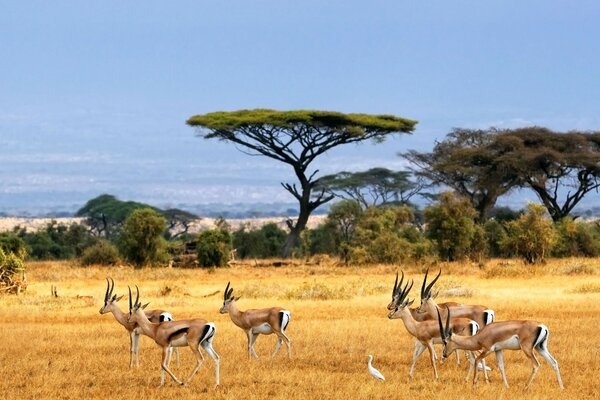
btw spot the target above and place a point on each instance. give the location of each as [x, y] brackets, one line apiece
[62, 348]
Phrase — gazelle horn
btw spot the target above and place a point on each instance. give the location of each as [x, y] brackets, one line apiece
[130, 305]
[427, 291]
[442, 331]
[106, 293]
[137, 296]
[395, 284]
[225, 292]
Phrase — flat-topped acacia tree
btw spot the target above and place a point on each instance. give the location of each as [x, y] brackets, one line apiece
[297, 138]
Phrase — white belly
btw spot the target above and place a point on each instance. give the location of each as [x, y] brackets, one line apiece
[180, 342]
[508, 344]
[265, 329]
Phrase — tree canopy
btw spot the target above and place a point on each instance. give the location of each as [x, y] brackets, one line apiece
[297, 138]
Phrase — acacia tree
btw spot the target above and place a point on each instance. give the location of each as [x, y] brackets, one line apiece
[373, 187]
[469, 162]
[561, 168]
[297, 138]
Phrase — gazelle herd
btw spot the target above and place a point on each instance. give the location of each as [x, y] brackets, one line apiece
[471, 328]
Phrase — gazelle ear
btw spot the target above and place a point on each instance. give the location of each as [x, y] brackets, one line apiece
[114, 298]
[144, 306]
[117, 298]
[410, 303]
[236, 298]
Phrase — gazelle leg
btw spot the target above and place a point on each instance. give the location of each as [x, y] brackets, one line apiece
[432, 356]
[457, 357]
[176, 349]
[471, 360]
[165, 366]
[199, 361]
[552, 361]
[162, 371]
[536, 364]
[419, 349]
[131, 348]
[277, 346]
[207, 345]
[287, 342]
[484, 353]
[251, 340]
[136, 344]
[500, 359]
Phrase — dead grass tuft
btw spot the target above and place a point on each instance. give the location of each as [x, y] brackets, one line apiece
[587, 288]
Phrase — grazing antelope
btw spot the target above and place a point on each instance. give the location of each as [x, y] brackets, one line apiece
[480, 314]
[254, 322]
[192, 333]
[426, 332]
[110, 306]
[526, 336]
[418, 316]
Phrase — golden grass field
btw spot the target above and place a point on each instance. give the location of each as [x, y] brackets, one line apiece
[62, 348]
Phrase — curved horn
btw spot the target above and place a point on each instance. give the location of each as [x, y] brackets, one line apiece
[424, 283]
[447, 333]
[395, 284]
[442, 330]
[428, 289]
[405, 292]
[137, 296]
[106, 293]
[130, 306]
[225, 292]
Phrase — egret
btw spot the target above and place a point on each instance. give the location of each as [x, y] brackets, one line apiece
[373, 371]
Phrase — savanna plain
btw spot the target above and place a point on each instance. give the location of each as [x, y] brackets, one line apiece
[62, 348]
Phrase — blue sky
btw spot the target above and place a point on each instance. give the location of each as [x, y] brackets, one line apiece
[94, 95]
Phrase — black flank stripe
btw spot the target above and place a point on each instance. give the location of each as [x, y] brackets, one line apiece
[177, 333]
[205, 333]
[538, 332]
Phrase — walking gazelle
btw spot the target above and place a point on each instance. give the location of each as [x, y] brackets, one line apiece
[192, 333]
[111, 306]
[426, 332]
[526, 336]
[254, 322]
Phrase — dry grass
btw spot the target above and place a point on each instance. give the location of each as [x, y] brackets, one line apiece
[62, 348]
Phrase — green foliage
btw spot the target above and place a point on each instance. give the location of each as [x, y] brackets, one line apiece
[56, 241]
[10, 242]
[10, 265]
[450, 223]
[102, 252]
[214, 247]
[495, 235]
[141, 239]
[387, 235]
[576, 239]
[106, 214]
[265, 242]
[531, 236]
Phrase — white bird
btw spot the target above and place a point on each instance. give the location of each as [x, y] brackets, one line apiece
[373, 371]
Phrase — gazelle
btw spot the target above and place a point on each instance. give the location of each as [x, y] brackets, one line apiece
[111, 306]
[526, 336]
[480, 314]
[426, 332]
[192, 333]
[254, 322]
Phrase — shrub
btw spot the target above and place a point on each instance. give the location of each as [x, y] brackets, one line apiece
[530, 236]
[101, 253]
[142, 240]
[10, 265]
[576, 239]
[214, 247]
[451, 225]
[265, 242]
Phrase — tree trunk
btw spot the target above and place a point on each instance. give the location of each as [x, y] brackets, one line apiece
[293, 237]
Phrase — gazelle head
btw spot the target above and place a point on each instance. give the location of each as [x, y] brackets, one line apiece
[426, 293]
[227, 299]
[136, 309]
[401, 300]
[448, 345]
[110, 299]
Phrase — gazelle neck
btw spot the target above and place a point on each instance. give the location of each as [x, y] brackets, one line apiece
[409, 321]
[466, 342]
[235, 314]
[121, 317]
[144, 323]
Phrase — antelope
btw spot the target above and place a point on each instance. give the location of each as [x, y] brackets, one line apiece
[418, 316]
[110, 306]
[254, 322]
[526, 336]
[426, 332]
[192, 333]
[480, 314]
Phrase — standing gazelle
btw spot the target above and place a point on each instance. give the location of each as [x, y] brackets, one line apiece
[110, 306]
[480, 314]
[426, 332]
[192, 333]
[254, 322]
[526, 336]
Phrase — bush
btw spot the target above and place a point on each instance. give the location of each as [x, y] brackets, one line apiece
[576, 239]
[451, 225]
[531, 236]
[10, 265]
[265, 242]
[142, 240]
[214, 247]
[11, 243]
[101, 253]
